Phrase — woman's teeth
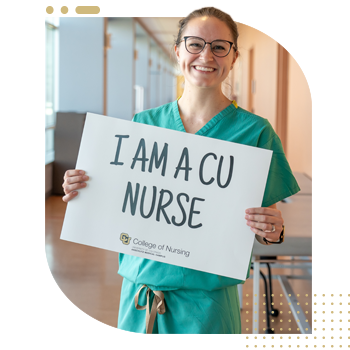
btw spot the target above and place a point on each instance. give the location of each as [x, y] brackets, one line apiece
[204, 69]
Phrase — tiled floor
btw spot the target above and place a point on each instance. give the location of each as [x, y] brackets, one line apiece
[88, 277]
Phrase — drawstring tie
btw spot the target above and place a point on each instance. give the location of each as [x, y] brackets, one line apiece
[158, 305]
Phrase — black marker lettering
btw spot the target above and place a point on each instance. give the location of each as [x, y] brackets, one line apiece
[229, 174]
[143, 159]
[187, 168]
[118, 149]
[158, 161]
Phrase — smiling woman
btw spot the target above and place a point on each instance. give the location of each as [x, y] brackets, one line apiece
[206, 50]
[195, 301]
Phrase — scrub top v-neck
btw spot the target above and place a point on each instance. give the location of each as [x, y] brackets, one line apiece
[209, 125]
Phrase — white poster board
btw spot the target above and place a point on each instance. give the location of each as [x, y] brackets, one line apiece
[166, 195]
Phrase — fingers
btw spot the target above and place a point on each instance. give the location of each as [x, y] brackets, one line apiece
[270, 236]
[69, 196]
[73, 172]
[263, 226]
[265, 215]
[264, 220]
[264, 211]
[73, 181]
[76, 186]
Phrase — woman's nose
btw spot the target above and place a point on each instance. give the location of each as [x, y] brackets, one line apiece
[207, 52]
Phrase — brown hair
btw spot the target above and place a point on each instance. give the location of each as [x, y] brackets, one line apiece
[209, 12]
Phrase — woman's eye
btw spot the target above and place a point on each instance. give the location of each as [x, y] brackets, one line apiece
[219, 48]
[195, 45]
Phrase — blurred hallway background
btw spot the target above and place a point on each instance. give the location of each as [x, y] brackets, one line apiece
[120, 66]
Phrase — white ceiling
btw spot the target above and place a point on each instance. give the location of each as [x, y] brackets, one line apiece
[163, 29]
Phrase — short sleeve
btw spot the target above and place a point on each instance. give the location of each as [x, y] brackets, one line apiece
[280, 182]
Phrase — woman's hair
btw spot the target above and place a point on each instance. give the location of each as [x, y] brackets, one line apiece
[209, 12]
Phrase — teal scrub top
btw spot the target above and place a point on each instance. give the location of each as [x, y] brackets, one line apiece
[231, 124]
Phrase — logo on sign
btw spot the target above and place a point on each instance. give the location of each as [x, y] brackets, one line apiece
[124, 237]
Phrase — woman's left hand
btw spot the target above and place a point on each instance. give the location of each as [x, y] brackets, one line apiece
[262, 220]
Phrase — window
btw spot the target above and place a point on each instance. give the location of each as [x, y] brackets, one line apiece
[50, 89]
[139, 95]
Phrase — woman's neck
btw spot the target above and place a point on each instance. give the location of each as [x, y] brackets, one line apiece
[201, 105]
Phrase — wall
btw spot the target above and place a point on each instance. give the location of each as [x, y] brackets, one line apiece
[299, 117]
[121, 68]
[48, 179]
[81, 65]
[142, 74]
[265, 72]
[299, 127]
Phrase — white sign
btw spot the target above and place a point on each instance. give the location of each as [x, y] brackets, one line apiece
[166, 195]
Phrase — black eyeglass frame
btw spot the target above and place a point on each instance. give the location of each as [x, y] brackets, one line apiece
[205, 44]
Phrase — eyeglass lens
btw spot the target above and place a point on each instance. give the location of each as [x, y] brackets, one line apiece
[196, 45]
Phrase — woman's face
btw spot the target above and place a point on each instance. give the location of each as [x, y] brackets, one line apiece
[192, 65]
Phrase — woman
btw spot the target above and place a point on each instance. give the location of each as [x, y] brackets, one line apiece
[191, 301]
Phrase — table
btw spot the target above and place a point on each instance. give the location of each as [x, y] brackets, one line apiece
[298, 243]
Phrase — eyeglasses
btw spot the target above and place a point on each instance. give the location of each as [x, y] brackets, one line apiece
[219, 48]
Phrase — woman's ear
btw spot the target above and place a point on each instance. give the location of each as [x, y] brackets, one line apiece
[235, 58]
[177, 53]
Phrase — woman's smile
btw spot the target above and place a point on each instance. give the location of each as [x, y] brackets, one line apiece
[204, 69]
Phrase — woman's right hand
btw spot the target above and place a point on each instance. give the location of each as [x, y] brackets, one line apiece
[73, 181]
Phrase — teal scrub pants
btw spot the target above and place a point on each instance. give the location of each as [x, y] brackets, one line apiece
[188, 311]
